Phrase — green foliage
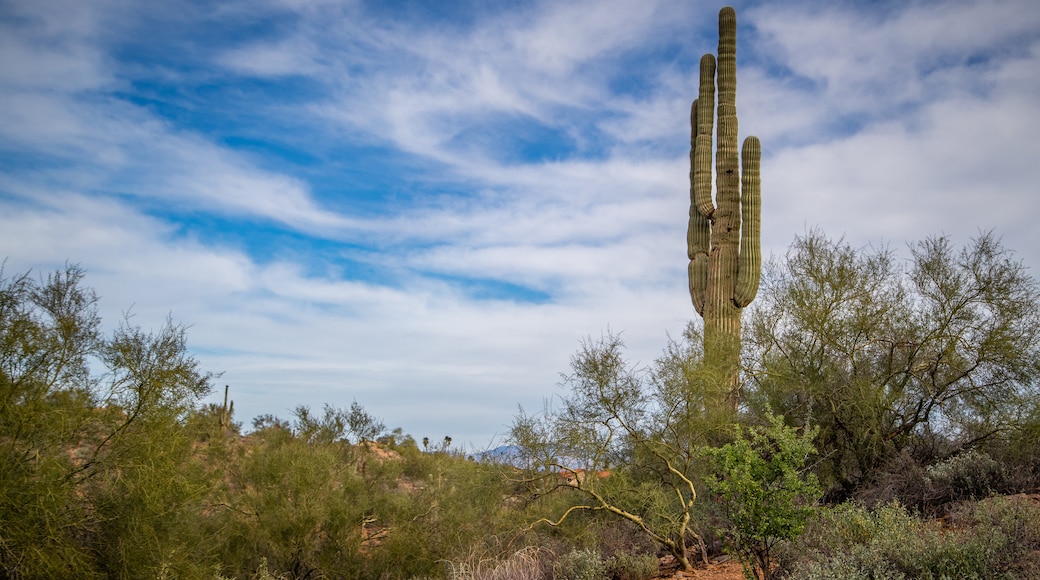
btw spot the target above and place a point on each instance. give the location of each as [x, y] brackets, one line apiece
[932, 489]
[454, 508]
[888, 356]
[151, 374]
[95, 477]
[765, 492]
[625, 566]
[147, 501]
[212, 421]
[968, 475]
[582, 564]
[850, 541]
[1014, 523]
[363, 425]
[298, 499]
[300, 506]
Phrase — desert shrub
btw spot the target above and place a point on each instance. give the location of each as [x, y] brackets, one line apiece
[263, 572]
[584, 564]
[91, 483]
[766, 496]
[213, 421]
[1018, 516]
[1015, 520]
[416, 464]
[968, 475]
[902, 479]
[623, 539]
[147, 506]
[625, 566]
[851, 541]
[1019, 451]
[300, 506]
[456, 509]
[843, 568]
[582, 529]
[934, 488]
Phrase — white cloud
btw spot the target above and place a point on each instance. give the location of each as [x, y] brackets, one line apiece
[564, 36]
[423, 88]
[866, 62]
[281, 58]
[112, 146]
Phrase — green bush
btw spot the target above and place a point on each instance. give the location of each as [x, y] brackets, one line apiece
[452, 511]
[850, 541]
[968, 475]
[1015, 520]
[148, 504]
[766, 496]
[625, 566]
[582, 564]
[298, 505]
[96, 474]
[843, 568]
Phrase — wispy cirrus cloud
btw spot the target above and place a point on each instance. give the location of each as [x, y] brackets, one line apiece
[912, 117]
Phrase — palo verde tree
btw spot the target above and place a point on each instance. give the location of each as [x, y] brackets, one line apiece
[723, 239]
[625, 440]
[887, 356]
[92, 479]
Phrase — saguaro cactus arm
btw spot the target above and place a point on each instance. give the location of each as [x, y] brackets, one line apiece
[750, 266]
[702, 129]
[698, 234]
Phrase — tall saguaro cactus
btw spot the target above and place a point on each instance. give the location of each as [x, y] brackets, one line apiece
[723, 240]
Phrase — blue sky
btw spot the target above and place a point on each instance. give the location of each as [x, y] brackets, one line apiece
[423, 206]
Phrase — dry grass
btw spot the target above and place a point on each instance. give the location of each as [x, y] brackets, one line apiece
[526, 564]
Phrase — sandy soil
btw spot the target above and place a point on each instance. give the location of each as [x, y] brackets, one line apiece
[730, 570]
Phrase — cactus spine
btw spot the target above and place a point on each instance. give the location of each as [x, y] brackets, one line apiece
[723, 239]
